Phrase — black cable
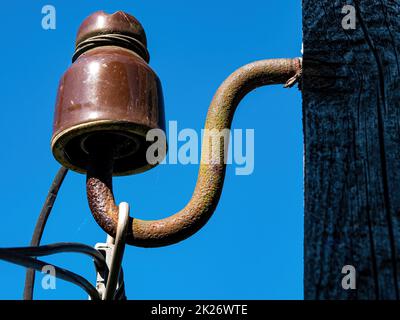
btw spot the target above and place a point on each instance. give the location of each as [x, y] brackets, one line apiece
[60, 272]
[62, 247]
[120, 293]
[40, 224]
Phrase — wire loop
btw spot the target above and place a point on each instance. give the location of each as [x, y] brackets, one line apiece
[119, 40]
[118, 251]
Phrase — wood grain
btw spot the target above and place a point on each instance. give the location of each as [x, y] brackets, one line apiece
[351, 115]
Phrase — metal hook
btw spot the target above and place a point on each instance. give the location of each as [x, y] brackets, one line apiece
[210, 179]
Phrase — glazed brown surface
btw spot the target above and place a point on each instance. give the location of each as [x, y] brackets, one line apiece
[102, 23]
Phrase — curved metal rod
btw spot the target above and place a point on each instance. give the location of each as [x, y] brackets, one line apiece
[211, 174]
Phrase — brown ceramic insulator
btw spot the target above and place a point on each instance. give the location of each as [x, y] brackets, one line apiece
[108, 93]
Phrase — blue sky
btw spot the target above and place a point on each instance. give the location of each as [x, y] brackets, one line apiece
[252, 248]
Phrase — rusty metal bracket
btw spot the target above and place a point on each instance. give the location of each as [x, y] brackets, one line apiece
[211, 176]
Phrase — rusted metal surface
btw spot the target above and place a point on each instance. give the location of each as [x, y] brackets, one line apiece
[211, 176]
[109, 89]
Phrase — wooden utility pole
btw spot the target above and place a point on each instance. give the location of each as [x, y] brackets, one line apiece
[351, 94]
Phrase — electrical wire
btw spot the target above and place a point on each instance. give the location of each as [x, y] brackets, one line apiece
[61, 273]
[26, 256]
[118, 251]
[120, 293]
[121, 40]
[62, 247]
[40, 225]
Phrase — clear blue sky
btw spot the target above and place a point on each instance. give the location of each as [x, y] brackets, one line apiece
[252, 248]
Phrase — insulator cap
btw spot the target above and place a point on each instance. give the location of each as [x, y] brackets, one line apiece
[99, 27]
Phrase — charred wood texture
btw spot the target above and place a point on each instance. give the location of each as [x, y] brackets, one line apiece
[351, 114]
